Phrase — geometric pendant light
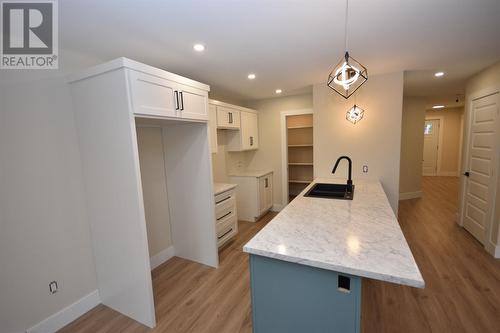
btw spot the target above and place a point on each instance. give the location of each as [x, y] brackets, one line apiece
[349, 74]
[355, 114]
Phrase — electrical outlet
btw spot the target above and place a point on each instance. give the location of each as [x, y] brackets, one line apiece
[365, 168]
[53, 287]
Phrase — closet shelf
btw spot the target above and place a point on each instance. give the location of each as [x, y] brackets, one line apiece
[304, 145]
[303, 164]
[299, 127]
[296, 181]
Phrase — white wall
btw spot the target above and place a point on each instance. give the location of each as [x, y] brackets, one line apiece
[44, 234]
[374, 141]
[154, 188]
[412, 146]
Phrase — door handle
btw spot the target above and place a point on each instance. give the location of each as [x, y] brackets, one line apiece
[466, 174]
[176, 99]
[182, 101]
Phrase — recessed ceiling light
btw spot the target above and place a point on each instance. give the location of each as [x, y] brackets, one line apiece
[438, 74]
[278, 91]
[251, 76]
[199, 47]
[438, 106]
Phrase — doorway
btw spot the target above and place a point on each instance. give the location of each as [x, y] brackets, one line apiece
[297, 152]
[430, 161]
[481, 167]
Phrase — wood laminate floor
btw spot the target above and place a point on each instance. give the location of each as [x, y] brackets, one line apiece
[462, 292]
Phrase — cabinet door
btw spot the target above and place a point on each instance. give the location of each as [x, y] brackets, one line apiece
[228, 118]
[212, 127]
[262, 194]
[249, 131]
[193, 103]
[153, 96]
[269, 191]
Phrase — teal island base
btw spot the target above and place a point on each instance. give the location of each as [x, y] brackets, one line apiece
[289, 297]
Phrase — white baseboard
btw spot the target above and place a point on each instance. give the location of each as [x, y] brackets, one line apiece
[277, 208]
[67, 315]
[493, 249]
[161, 257]
[410, 195]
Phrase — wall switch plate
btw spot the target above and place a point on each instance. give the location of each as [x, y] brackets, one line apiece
[53, 287]
[365, 168]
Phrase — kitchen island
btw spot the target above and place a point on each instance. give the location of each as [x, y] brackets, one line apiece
[308, 263]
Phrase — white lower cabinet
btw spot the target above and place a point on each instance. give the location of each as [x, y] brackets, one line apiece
[254, 194]
[226, 218]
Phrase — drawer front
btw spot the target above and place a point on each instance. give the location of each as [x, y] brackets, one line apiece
[225, 213]
[226, 229]
[224, 199]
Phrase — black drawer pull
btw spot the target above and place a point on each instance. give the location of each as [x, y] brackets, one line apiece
[223, 216]
[225, 233]
[226, 198]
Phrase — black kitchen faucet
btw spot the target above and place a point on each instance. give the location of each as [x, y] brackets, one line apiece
[349, 178]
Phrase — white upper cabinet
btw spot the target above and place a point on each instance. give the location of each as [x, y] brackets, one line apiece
[153, 96]
[228, 118]
[193, 103]
[247, 138]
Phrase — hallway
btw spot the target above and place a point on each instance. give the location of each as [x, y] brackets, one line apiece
[462, 292]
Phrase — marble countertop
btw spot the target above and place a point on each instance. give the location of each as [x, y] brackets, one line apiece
[251, 173]
[360, 237]
[223, 187]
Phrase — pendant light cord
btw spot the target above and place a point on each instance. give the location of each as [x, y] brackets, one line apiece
[346, 20]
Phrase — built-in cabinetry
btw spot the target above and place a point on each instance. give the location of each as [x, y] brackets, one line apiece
[212, 128]
[241, 125]
[226, 216]
[110, 101]
[300, 152]
[254, 194]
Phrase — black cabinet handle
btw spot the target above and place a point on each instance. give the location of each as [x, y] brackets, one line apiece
[466, 174]
[176, 99]
[267, 183]
[222, 236]
[226, 198]
[230, 115]
[251, 141]
[182, 101]
[223, 216]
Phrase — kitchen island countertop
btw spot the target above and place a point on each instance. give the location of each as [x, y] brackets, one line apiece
[361, 237]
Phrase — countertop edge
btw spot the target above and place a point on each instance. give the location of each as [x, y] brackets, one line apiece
[341, 269]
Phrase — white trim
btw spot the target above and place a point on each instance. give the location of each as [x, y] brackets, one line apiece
[284, 150]
[493, 249]
[62, 318]
[277, 207]
[161, 257]
[440, 142]
[410, 195]
[232, 106]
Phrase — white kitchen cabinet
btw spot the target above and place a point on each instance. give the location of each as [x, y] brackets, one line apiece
[247, 138]
[165, 94]
[226, 217]
[254, 193]
[212, 127]
[228, 117]
[110, 102]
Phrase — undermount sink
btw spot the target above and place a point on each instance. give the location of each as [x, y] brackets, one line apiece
[330, 191]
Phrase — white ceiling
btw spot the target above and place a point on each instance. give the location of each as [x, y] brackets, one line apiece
[288, 44]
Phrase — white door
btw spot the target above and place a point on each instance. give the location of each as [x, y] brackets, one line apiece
[249, 131]
[480, 171]
[431, 146]
[228, 118]
[269, 191]
[263, 194]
